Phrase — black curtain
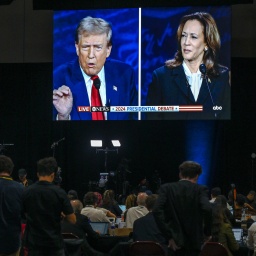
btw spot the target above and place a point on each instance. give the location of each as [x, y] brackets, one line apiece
[26, 121]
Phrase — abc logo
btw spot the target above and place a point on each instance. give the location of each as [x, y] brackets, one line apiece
[217, 107]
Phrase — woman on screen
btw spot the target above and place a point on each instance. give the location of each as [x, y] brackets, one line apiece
[193, 77]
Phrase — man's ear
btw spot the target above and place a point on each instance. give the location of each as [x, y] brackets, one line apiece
[109, 50]
[77, 49]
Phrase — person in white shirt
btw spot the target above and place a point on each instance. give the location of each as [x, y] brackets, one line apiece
[89, 210]
[136, 212]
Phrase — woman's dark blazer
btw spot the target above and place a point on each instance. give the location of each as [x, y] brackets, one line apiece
[169, 87]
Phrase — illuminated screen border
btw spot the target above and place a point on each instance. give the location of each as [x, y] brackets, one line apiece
[144, 48]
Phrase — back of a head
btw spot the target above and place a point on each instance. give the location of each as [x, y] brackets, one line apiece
[6, 164]
[109, 194]
[251, 195]
[190, 169]
[90, 198]
[216, 191]
[141, 198]
[240, 200]
[72, 195]
[150, 201]
[22, 172]
[47, 166]
[99, 198]
[77, 205]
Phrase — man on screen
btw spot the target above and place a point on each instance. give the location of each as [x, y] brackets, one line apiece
[92, 79]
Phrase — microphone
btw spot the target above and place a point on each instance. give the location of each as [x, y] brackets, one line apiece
[108, 103]
[97, 83]
[203, 70]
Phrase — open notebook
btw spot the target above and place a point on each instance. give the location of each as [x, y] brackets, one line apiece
[100, 227]
[238, 233]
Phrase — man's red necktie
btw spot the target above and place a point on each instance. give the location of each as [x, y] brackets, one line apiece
[96, 101]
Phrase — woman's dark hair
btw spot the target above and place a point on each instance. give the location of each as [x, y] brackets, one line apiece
[218, 218]
[211, 37]
[221, 200]
[108, 197]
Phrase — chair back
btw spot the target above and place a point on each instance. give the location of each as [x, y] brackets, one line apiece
[214, 249]
[140, 248]
[73, 244]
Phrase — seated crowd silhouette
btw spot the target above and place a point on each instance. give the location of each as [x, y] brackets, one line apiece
[138, 229]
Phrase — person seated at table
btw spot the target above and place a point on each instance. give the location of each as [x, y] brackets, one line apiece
[89, 210]
[136, 212]
[110, 203]
[81, 229]
[222, 230]
[250, 199]
[251, 238]
[72, 194]
[240, 204]
[99, 206]
[222, 201]
[131, 199]
[214, 193]
[145, 228]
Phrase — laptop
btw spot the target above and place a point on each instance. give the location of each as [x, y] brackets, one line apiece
[238, 234]
[122, 207]
[100, 227]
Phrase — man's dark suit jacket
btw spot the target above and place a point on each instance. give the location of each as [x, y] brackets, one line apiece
[170, 87]
[120, 88]
[181, 211]
[145, 229]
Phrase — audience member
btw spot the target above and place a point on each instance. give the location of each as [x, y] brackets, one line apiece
[131, 199]
[222, 230]
[145, 228]
[10, 211]
[222, 201]
[72, 194]
[136, 212]
[215, 192]
[183, 212]
[44, 203]
[23, 178]
[99, 201]
[250, 199]
[143, 185]
[81, 229]
[251, 238]
[89, 210]
[240, 204]
[231, 199]
[110, 203]
[99, 206]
